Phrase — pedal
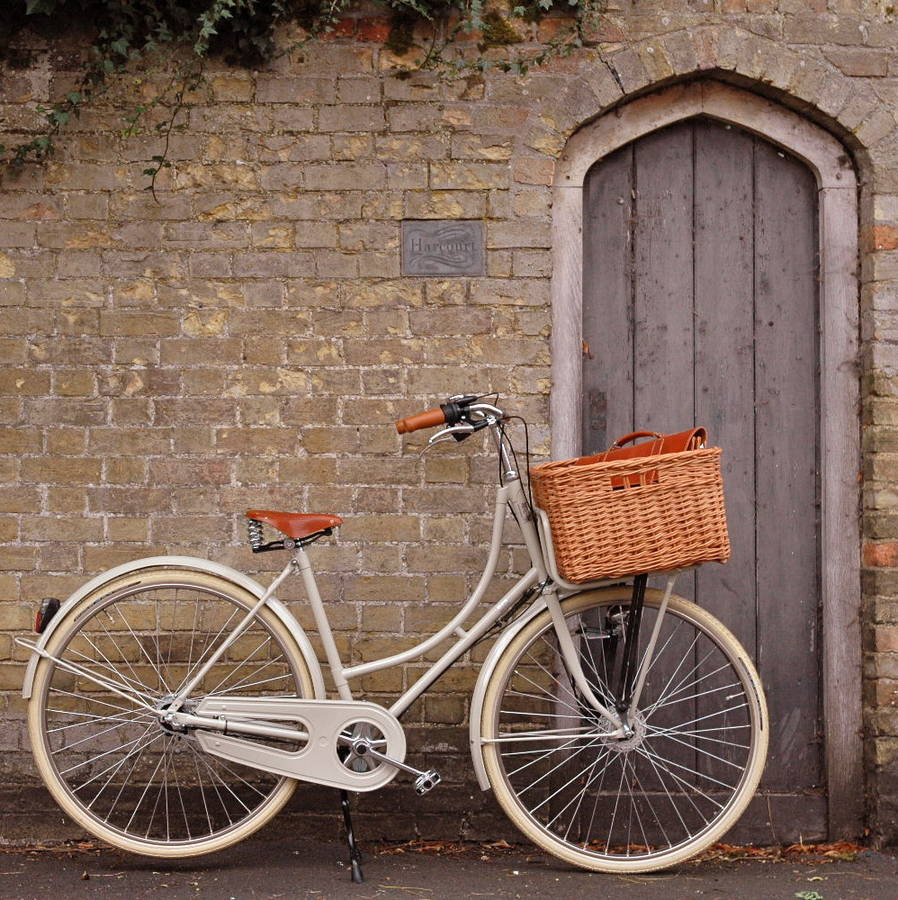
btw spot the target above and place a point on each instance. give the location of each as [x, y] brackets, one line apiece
[424, 782]
[427, 781]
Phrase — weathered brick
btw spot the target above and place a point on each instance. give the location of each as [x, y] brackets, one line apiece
[519, 234]
[463, 175]
[20, 440]
[351, 118]
[444, 205]
[60, 470]
[66, 442]
[345, 176]
[232, 88]
[136, 323]
[298, 90]
[19, 499]
[859, 61]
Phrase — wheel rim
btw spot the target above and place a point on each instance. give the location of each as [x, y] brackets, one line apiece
[127, 774]
[686, 768]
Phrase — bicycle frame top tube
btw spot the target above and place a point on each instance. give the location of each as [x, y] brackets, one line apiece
[509, 495]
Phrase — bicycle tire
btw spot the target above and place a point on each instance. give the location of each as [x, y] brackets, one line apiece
[660, 797]
[92, 748]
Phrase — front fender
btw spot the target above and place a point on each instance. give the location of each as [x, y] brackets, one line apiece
[192, 564]
[486, 672]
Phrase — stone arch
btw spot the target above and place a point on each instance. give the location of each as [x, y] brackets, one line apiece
[839, 383]
[795, 77]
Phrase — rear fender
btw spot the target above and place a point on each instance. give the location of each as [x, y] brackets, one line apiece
[187, 564]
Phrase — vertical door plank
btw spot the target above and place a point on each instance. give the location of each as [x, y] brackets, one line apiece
[786, 429]
[607, 301]
[663, 290]
[663, 313]
[724, 357]
[663, 358]
[724, 378]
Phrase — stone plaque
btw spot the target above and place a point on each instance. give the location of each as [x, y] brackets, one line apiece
[442, 247]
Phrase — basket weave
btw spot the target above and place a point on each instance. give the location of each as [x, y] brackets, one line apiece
[669, 514]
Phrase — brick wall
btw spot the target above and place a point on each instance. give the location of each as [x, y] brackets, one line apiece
[247, 340]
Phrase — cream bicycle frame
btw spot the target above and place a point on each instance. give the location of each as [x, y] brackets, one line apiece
[542, 574]
[510, 494]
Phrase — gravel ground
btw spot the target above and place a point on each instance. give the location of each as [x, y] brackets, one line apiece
[306, 868]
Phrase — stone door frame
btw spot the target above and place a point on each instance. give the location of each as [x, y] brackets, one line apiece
[839, 382]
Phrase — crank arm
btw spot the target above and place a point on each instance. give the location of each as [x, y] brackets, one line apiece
[424, 781]
[403, 767]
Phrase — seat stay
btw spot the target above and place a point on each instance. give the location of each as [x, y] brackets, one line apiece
[188, 688]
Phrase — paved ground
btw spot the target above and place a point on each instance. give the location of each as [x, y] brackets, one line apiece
[308, 869]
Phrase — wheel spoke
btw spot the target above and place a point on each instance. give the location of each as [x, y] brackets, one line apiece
[133, 779]
[662, 789]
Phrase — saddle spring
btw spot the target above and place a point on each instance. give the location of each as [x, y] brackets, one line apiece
[254, 530]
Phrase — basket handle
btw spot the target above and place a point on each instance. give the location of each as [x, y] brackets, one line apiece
[632, 437]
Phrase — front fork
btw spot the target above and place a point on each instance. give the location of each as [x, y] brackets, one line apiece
[633, 674]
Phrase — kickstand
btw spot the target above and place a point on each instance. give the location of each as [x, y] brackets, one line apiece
[355, 855]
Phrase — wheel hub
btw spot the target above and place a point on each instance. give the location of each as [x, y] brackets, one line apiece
[634, 739]
[165, 721]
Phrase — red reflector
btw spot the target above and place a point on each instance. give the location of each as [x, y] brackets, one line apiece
[45, 612]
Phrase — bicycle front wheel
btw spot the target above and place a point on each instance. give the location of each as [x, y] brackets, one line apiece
[657, 797]
[106, 756]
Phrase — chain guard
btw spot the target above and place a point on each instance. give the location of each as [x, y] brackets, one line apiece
[318, 760]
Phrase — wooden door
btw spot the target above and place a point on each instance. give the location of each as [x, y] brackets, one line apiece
[700, 307]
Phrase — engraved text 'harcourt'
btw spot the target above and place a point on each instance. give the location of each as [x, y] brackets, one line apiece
[442, 248]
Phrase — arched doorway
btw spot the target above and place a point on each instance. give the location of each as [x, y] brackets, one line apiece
[690, 252]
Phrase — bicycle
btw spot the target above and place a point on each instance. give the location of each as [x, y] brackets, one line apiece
[174, 703]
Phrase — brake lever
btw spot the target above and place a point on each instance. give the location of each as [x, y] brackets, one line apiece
[455, 433]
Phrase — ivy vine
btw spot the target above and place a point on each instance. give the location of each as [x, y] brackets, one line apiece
[178, 36]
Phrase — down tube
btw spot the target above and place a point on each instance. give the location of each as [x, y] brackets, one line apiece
[471, 638]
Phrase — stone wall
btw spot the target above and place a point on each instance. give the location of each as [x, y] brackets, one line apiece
[246, 338]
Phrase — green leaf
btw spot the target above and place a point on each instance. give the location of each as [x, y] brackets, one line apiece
[120, 46]
[809, 895]
[39, 7]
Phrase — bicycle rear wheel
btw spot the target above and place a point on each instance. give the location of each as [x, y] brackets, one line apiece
[656, 798]
[108, 760]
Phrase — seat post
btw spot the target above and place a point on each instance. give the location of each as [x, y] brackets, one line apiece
[301, 561]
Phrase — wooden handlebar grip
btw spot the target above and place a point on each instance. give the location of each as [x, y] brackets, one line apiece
[421, 420]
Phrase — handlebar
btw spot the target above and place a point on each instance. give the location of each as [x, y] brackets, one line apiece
[461, 408]
[421, 420]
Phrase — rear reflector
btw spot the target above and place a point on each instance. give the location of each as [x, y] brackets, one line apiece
[48, 608]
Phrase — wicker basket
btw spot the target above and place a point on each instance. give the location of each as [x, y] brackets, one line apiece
[668, 512]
